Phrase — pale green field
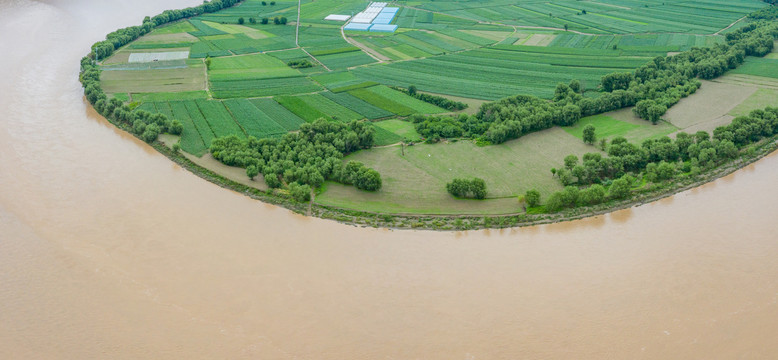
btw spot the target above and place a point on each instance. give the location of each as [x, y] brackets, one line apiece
[191, 78]
[758, 100]
[621, 123]
[415, 183]
[402, 128]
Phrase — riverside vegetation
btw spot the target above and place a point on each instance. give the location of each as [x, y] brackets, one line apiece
[307, 123]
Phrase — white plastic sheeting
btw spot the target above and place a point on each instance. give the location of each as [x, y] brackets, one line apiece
[335, 17]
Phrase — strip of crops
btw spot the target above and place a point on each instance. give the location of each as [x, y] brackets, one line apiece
[255, 122]
[264, 87]
[432, 40]
[283, 117]
[358, 85]
[199, 122]
[334, 51]
[758, 67]
[203, 29]
[333, 110]
[257, 66]
[298, 106]
[415, 104]
[467, 37]
[219, 118]
[360, 106]
[345, 60]
[385, 137]
[164, 108]
[382, 102]
[191, 141]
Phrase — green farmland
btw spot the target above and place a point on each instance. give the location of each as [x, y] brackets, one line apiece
[252, 71]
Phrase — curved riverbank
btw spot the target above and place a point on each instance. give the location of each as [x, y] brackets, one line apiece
[460, 222]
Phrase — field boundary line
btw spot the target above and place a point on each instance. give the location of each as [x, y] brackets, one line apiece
[730, 25]
[359, 45]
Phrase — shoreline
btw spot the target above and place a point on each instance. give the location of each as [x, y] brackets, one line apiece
[459, 222]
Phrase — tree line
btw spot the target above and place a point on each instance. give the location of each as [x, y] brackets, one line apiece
[143, 124]
[652, 88]
[596, 178]
[436, 100]
[307, 157]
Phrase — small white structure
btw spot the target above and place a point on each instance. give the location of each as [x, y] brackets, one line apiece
[158, 56]
[334, 17]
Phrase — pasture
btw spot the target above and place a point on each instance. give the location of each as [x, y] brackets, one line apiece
[415, 183]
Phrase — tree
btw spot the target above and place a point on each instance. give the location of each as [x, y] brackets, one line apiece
[475, 188]
[272, 3]
[575, 85]
[620, 187]
[176, 148]
[252, 20]
[276, 20]
[264, 21]
[655, 113]
[368, 179]
[554, 202]
[208, 62]
[565, 27]
[570, 161]
[176, 127]
[412, 90]
[252, 172]
[282, 20]
[532, 198]
[264, 3]
[241, 20]
[478, 188]
[593, 195]
[150, 133]
[589, 135]
[300, 193]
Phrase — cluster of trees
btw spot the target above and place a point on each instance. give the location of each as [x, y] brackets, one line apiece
[145, 125]
[463, 188]
[299, 64]
[653, 88]
[121, 37]
[307, 157]
[657, 160]
[768, 13]
[439, 101]
[271, 3]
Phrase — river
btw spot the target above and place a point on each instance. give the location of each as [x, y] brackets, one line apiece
[108, 250]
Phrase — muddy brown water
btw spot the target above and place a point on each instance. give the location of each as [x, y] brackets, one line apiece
[110, 251]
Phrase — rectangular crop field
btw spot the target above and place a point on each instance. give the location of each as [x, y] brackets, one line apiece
[159, 80]
[263, 87]
[256, 66]
[360, 106]
[283, 117]
[493, 73]
[254, 122]
[219, 119]
[315, 106]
